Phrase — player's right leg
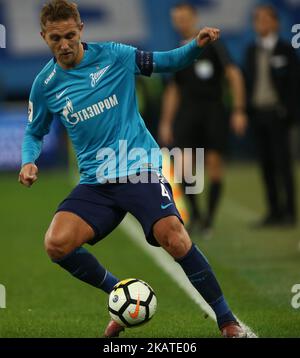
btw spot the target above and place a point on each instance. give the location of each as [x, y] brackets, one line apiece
[87, 215]
[63, 243]
[66, 232]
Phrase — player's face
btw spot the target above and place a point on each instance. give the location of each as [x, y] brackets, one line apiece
[264, 23]
[63, 38]
[184, 21]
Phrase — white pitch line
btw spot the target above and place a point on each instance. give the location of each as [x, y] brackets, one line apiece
[240, 211]
[166, 262]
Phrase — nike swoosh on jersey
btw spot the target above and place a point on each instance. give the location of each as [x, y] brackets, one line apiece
[166, 206]
[59, 95]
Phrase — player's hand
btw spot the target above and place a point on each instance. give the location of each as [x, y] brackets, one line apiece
[165, 134]
[239, 123]
[28, 174]
[207, 35]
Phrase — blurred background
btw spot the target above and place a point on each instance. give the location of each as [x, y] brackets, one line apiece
[145, 24]
[257, 268]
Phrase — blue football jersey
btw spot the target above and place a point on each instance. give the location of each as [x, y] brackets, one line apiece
[96, 102]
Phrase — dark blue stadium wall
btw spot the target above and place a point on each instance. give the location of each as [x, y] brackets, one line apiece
[141, 22]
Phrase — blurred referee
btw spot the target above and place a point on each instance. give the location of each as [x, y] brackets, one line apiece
[193, 113]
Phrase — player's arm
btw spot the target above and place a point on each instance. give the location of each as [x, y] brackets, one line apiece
[170, 103]
[176, 60]
[39, 121]
[236, 82]
[145, 63]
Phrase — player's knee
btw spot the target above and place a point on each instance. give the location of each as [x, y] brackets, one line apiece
[174, 238]
[177, 243]
[56, 245]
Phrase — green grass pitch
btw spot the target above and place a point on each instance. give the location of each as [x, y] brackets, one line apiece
[257, 269]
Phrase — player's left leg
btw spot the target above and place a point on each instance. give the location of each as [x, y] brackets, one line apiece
[153, 205]
[87, 215]
[172, 236]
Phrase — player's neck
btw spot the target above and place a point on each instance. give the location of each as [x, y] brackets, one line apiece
[77, 60]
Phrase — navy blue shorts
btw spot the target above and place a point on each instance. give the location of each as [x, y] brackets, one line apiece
[104, 206]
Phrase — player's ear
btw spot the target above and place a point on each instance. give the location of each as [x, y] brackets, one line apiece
[81, 26]
[42, 33]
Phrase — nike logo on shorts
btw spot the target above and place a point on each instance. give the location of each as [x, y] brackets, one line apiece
[166, 206]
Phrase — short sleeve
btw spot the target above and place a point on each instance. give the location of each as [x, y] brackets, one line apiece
[126, 55]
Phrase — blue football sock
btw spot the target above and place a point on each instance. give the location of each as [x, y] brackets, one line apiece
[84, 266]
[199, 272]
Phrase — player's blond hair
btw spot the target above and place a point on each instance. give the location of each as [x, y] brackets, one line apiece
[57, 10]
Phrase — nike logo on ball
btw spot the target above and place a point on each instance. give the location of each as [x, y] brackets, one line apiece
[135, 314]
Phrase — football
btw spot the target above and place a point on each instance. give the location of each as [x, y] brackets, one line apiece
[132, 302]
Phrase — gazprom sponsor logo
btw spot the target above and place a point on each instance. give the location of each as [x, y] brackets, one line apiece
[30, 111]
[69, 105]
[90, 112]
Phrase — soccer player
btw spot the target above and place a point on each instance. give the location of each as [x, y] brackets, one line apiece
[193, 113]
[91, 87]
